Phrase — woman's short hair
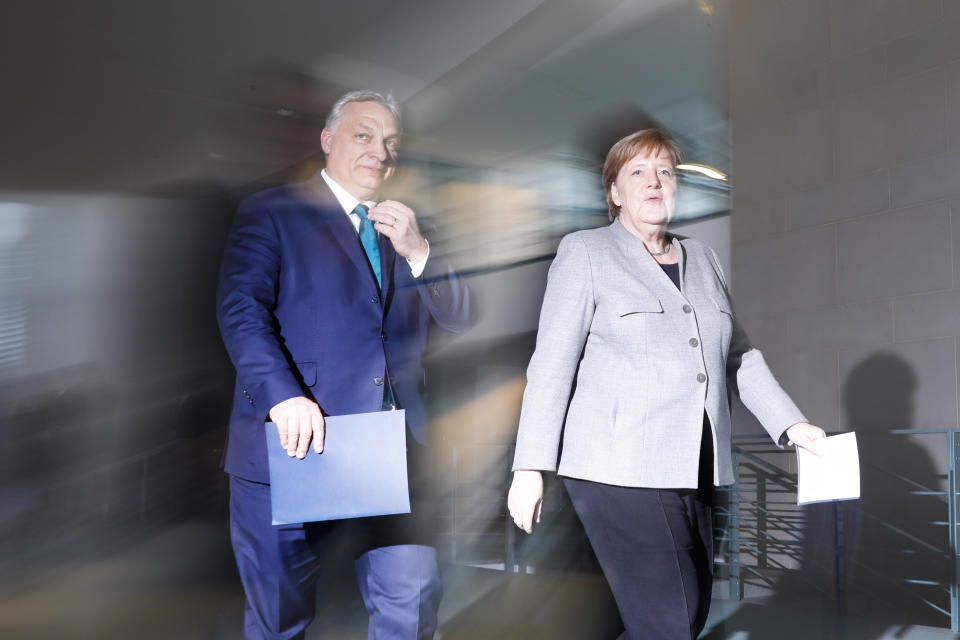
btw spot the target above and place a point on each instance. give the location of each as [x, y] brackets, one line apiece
[651, 141]
[363, 95]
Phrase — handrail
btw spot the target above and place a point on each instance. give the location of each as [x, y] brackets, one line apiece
[757, 544]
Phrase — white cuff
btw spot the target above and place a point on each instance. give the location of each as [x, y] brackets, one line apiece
[416, 268]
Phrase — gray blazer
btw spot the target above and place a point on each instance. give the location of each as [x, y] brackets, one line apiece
[648, 359]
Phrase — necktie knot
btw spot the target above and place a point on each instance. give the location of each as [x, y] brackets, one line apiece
[361, 210]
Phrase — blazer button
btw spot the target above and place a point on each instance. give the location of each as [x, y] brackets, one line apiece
[694, 342]
[378, 381]
[687, 308]
[701, 377]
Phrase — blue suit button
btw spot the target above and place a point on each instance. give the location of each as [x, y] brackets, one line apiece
[378, 381]
[374, 299]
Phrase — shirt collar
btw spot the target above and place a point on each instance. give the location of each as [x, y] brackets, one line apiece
[346, 200]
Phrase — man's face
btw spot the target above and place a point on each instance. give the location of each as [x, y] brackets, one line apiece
[362, 152]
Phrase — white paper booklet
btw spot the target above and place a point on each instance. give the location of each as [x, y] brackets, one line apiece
[835, 476]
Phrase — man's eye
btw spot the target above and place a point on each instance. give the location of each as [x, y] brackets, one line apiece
[362, 137]
[392, 145]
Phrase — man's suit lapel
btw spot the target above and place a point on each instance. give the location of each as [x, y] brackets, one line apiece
[346, 236]
[340, 227]
[387, 259]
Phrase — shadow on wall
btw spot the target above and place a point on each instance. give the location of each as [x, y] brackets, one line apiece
[863, 564]
[900, 539]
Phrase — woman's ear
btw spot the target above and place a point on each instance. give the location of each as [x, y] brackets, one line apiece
[615, 195]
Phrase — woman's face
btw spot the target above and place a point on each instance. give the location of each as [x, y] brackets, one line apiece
[645, 190]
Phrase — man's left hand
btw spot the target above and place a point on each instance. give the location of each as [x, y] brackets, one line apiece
[398, 222]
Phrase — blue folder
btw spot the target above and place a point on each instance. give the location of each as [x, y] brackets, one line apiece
[361, 472]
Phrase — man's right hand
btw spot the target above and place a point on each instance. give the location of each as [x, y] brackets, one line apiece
[298, 419]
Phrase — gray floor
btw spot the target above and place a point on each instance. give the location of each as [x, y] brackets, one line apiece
[755, 619]
[179, 582]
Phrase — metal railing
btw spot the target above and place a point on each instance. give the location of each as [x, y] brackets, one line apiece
[762, 537]
[763, 529]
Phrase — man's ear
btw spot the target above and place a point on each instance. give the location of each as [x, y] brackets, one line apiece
[325, 137]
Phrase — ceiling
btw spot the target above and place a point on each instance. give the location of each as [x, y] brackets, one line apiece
[112, 96]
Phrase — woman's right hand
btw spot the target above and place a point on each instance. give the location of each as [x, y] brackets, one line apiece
[525, 498]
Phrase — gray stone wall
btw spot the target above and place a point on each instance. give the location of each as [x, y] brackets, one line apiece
[846, 271]
[846, 174]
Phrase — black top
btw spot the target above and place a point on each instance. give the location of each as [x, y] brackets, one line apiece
[672, 270]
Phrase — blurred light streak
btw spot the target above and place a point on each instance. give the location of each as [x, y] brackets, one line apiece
[703, 169]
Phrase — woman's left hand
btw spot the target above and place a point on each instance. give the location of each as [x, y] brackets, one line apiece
[807, 436]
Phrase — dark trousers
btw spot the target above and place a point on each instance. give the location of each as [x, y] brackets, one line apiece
[656, 550]
[279, 567]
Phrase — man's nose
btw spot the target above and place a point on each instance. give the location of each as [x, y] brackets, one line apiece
[380, 150]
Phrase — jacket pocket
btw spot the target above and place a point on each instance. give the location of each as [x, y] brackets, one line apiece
[723, 305]
[308, 372]
[651, 305]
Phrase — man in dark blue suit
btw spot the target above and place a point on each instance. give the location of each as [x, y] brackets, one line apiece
[324, 303]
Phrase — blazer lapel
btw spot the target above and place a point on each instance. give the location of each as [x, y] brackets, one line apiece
[342, 229]
[648, 269]
[682, 256]
[339, 225]
[388, 257]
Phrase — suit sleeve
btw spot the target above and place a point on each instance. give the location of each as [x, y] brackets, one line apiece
[751, 379]
[246, 298]
[565, 319]
[445, 296]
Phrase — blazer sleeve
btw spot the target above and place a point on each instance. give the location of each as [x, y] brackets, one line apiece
[445, 295]
[565, 318]
[751, 379]
[246, 298]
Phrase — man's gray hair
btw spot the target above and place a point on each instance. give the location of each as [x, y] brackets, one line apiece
[363, 95]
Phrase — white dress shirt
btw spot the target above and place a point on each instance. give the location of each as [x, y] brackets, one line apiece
[349, 203]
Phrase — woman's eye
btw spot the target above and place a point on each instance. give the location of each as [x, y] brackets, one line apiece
[666, 172]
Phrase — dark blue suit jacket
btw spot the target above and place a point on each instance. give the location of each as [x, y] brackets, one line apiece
[301, 314]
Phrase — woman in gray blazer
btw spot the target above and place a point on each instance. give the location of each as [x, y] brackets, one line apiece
[639, 323]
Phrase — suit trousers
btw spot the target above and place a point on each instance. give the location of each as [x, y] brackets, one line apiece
[655, 547]
[280, 565]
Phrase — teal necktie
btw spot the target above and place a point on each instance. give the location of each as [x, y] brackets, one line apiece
[368, 238]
